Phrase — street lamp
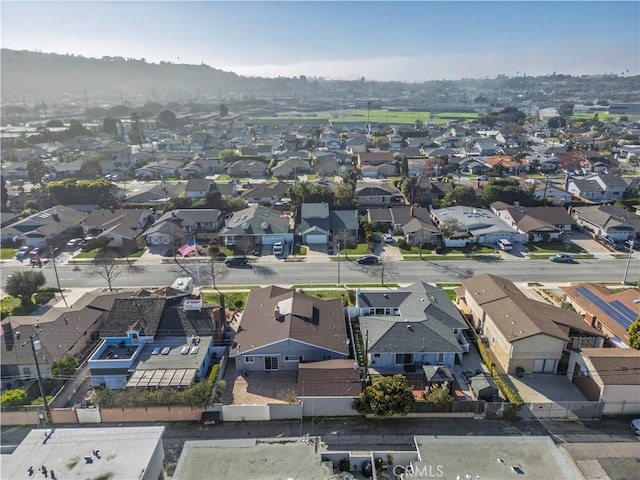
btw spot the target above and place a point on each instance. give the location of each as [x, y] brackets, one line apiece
[37, 345]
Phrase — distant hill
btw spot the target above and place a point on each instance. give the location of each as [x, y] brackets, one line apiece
[46, 74]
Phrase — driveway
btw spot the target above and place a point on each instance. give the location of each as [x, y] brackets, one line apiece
[586, 242]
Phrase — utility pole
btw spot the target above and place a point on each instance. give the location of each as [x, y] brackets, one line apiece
[37, 345]
[628, 243]
[55, 269]
[338, 247]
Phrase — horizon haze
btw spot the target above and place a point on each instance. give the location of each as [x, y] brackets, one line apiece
[384, 41]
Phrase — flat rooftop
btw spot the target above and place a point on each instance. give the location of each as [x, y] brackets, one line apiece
[271, 459]
[490, 457]
[124, 453]
[171, 362]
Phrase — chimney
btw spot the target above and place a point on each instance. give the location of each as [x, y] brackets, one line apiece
[54, 214]
[566, 182]
[276, 313]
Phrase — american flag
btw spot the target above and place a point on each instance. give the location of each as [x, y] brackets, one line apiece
[187, 248]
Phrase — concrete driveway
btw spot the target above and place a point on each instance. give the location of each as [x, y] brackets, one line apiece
[586, 242]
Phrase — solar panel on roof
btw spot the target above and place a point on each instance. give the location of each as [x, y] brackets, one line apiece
[616, 310]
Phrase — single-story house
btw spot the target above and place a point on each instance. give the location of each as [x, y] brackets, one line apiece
[537, 223]
[608, 221]
[416, 325]
[608, 375]
[177, 226]
[257, 225]
[281, 328]
[39, 229]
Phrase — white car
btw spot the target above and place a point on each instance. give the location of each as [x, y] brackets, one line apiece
[278, 248]
[388, 238]
[635, 426]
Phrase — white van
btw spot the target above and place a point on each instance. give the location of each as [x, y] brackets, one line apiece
[504, 244]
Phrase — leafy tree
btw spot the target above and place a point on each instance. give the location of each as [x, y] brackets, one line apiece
[345, 196]
[229, 155]
[24, 284]
[76, 129]
[634, 334]
[36, 170]
[135, 134]
[224, 111]
[381, 142]
[236, 203]
[439, 396]
[386, 396]
[54, 124]
[65, 366]
[20, 142]
[211, 199]
[506, 190]
[565, 109]
[110, 125]
[4, 194]
[14, 398]
[461, 196]
[167, 119]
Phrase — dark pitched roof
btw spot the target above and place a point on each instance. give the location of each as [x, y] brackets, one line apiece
[198, 184]
[306, 319]
[177, 322]
[141, 314]
[395, 335]
[329, 378]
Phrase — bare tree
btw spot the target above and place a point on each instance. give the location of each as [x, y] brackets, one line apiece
[384, 268]
[216, 270]
[106, 265]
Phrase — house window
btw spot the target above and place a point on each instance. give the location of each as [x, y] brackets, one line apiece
[404, 359]
[293, 358]
[26, 371]
[326, 357]
[440, 358]
[376, 355]
[248, 359]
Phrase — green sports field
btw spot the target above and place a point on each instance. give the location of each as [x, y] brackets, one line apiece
[379, 116]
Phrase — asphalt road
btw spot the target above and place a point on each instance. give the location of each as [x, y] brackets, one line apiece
[605, 268]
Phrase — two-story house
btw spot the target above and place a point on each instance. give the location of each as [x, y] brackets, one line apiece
[524, 335]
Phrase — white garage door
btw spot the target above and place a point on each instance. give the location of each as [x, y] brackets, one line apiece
[316, 239]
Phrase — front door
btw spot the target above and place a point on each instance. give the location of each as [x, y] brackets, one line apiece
[271, 363]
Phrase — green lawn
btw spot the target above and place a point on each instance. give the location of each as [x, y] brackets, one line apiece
[554, 247]
[326, 294]
[379, 116]
[230, 299]
[91, 254]
[7, 253]
[137, 254]
[360, 249]
[11, 306]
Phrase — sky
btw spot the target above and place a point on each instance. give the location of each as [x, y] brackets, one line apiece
[379, 40]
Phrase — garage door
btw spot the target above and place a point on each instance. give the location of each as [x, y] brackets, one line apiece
[316, 239]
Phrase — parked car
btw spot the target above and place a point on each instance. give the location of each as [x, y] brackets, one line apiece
[278, 248]
[23, 252]
[367, 260]
[388, 238]
[504, 244]
[635, 426]
[236, 261]
[561, 258]
[74, 243]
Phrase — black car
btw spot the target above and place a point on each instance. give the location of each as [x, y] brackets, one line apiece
[367, 260]
[236, 261]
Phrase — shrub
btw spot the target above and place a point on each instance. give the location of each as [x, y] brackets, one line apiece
[14, 398]
[403, 244]
[238, 304]
[214, 372]
[42, 298]
[344, 465]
